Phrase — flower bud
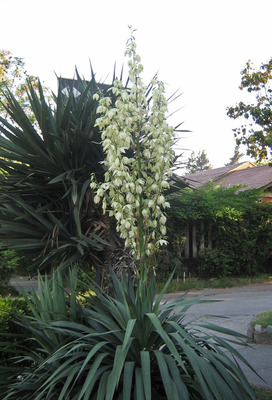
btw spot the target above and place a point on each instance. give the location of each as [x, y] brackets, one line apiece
[163, 230]
[96, 199]
[139, 189]
[164, 184]
[160, 199]
[145, 213]
[127, 225]
[162, 220]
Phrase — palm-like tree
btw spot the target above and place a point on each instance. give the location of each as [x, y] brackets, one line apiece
[46, 204]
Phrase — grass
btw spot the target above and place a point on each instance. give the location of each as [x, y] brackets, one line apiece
[264, 319]
[263, 393]
[224, 283]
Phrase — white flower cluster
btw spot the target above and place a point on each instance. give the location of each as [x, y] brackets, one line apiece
[138, 145]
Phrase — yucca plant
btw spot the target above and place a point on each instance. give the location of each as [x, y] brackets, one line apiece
[26, 350]
[130, 346]
[46, 204]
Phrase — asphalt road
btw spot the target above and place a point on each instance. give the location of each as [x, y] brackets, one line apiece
[239, 306]
[24, 282]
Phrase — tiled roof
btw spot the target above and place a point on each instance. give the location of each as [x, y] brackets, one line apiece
[255, 178]
[202, 178]
[246, 174]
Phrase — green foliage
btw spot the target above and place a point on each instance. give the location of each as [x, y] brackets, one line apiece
[9, 261]
[264, 319]
[256, 132]
[263, 393]
[178, 285]
[84, 276]
[239, 225]
[125, 347]
[169, 257]
[213, 203]
[13, 77]
[214, 263]
[199, 162]
[47, 207]
[248, 242]
[10, 332]
[236, 156]
[9, 306]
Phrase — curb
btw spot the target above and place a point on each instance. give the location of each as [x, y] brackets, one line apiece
[260, 335]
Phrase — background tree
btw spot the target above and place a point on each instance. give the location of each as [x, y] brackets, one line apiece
[199, 162]
[236, 156]
[256, 132]
[12, 70]
[14, 77]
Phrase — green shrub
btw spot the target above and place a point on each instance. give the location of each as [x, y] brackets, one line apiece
[214, 263]
[131, 346]
[235, 225]
[9, 261]
[10, 331]
[84, 275]
[264, 319]
[263, 393]
[9, 307]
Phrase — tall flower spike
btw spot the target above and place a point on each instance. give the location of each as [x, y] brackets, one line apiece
[138, 145]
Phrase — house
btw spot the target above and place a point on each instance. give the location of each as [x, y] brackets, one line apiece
[245, 174]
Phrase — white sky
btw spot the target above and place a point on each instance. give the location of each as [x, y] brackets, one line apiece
[198, 46]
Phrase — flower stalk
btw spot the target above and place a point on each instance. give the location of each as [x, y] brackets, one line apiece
[137, 141]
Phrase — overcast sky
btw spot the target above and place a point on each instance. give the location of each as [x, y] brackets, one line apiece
[198, 47]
